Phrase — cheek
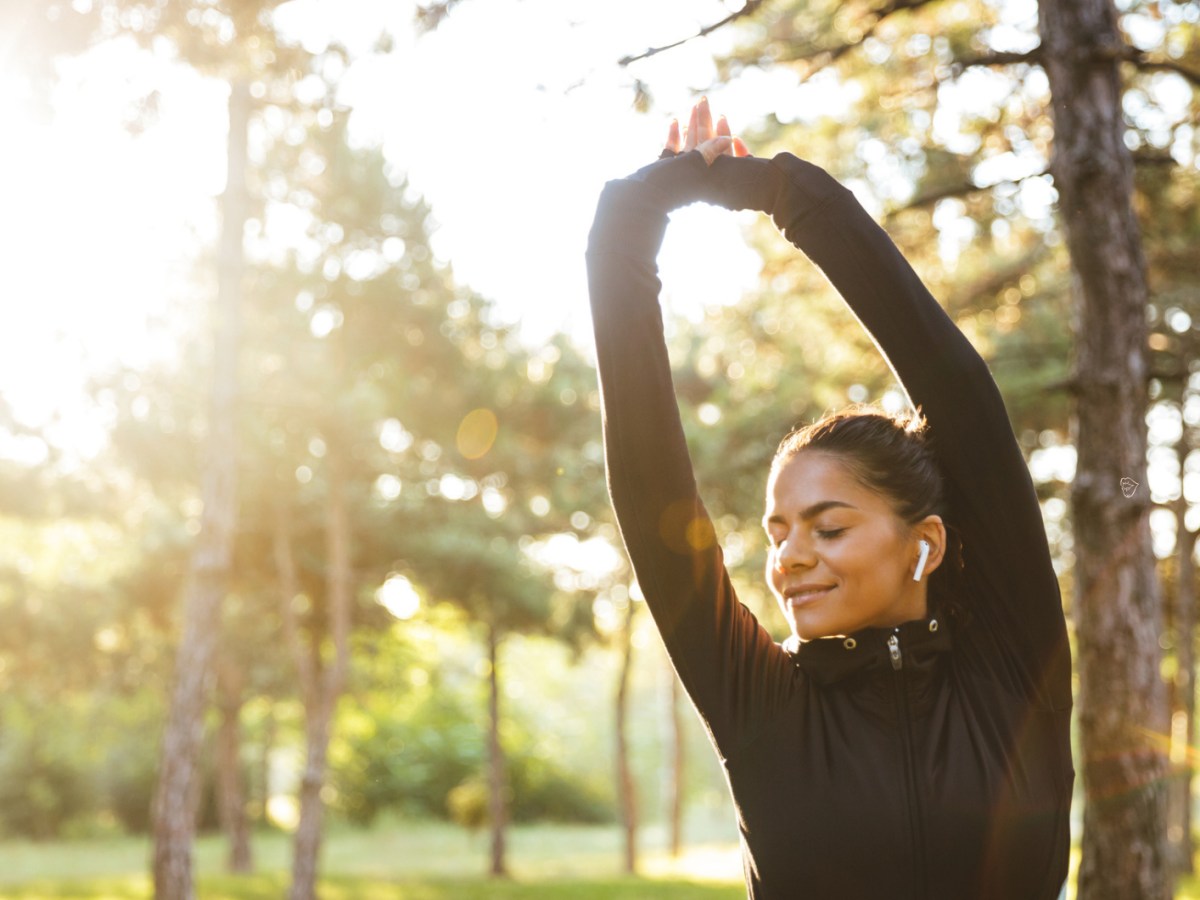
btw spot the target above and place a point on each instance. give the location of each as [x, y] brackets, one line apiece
[857, 563]
[772, 577]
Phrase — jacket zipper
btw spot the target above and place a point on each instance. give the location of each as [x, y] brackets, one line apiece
[894, 650]
[914, 809]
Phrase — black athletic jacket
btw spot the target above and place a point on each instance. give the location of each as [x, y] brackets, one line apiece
[907, 763]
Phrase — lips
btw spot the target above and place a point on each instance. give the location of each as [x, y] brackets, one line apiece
[805, 593]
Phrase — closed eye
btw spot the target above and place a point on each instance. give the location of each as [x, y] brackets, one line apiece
[830, 535]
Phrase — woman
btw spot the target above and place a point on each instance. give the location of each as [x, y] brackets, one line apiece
[910, 739]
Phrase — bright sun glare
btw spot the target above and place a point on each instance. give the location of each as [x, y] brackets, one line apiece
[105, 227]
[111, 217]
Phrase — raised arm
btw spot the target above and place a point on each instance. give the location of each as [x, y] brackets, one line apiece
[1018, 629]
[730, 666]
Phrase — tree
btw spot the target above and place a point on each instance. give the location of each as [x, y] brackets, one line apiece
[231, 789]
[626, 793]
[678, 760]
[1172, 344]
[208, 576]
[1117, 608]
[330, 321]
[379, 379]
[516, 429]
[235, 44]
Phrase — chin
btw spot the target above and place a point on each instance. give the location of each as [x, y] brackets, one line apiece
[810, 631]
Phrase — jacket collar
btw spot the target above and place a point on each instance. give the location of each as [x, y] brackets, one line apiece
[922, 644]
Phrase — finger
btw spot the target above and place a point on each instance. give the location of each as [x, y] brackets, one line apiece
[740, 148]
[673, 136]
[693, 129]
[715, 147]
[723, 127]
[705, 121]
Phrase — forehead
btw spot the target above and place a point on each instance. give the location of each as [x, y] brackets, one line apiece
[812, 477]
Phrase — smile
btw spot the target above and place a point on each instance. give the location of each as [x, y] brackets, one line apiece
[800, 598]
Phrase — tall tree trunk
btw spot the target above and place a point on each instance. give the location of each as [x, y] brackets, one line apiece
[1122, 702]
[208, 575]
[231, 789]
[497, 807]
[1187, 662]
[626, 796]
[307, 842]
[321, 684]
[263, 788]
[1182, 843]
[678, 769]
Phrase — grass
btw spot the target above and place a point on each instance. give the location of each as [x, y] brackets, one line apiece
[410, 861]
[273, 886]
[397, 861]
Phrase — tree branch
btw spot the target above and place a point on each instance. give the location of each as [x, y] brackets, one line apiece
[1065, 385]
[821, 57]
[996, 58]
[1146, 64]
[749, 9]
[957, 190]
[972, 294]
[965, 189]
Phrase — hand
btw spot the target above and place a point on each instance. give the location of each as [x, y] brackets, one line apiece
[700, 135]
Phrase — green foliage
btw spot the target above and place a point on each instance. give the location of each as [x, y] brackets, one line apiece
[126, 774]
[44, 774]
[84, 763]
[467, 804]
[542, 791]
[407, 760]
[421, 752]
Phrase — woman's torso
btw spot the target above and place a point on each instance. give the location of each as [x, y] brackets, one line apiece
[924, 781]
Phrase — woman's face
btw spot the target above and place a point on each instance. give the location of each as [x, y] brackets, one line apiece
[840, 558]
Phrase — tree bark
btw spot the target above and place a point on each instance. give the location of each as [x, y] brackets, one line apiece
[263, 788]
[626, 796]
[307, 840]
[321, 684]
[497, 807]
[208, 575]
[1122, 703]
[231, 789]
[678, 769]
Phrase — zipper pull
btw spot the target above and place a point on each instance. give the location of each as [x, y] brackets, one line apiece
[894, 649]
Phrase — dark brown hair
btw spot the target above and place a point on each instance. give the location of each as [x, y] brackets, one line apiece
[892, 455]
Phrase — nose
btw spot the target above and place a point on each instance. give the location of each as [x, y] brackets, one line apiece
[794, 553]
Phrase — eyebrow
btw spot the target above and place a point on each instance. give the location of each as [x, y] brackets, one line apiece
[812, 511]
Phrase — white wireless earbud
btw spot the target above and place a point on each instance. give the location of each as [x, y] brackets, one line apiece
[921, 562]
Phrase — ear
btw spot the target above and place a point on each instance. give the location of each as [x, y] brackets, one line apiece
[933, 530]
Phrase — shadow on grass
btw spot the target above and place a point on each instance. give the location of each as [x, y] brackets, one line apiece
[272, 886]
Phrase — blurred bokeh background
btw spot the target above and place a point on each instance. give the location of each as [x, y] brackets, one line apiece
[296, 393]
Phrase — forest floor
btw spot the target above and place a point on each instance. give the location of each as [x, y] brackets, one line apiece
[408, 861]
[394, 861]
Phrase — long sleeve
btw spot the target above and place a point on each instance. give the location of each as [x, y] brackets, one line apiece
[732, 669]
[1016, 628]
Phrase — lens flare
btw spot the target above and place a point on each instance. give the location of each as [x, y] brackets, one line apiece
[477, 432]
